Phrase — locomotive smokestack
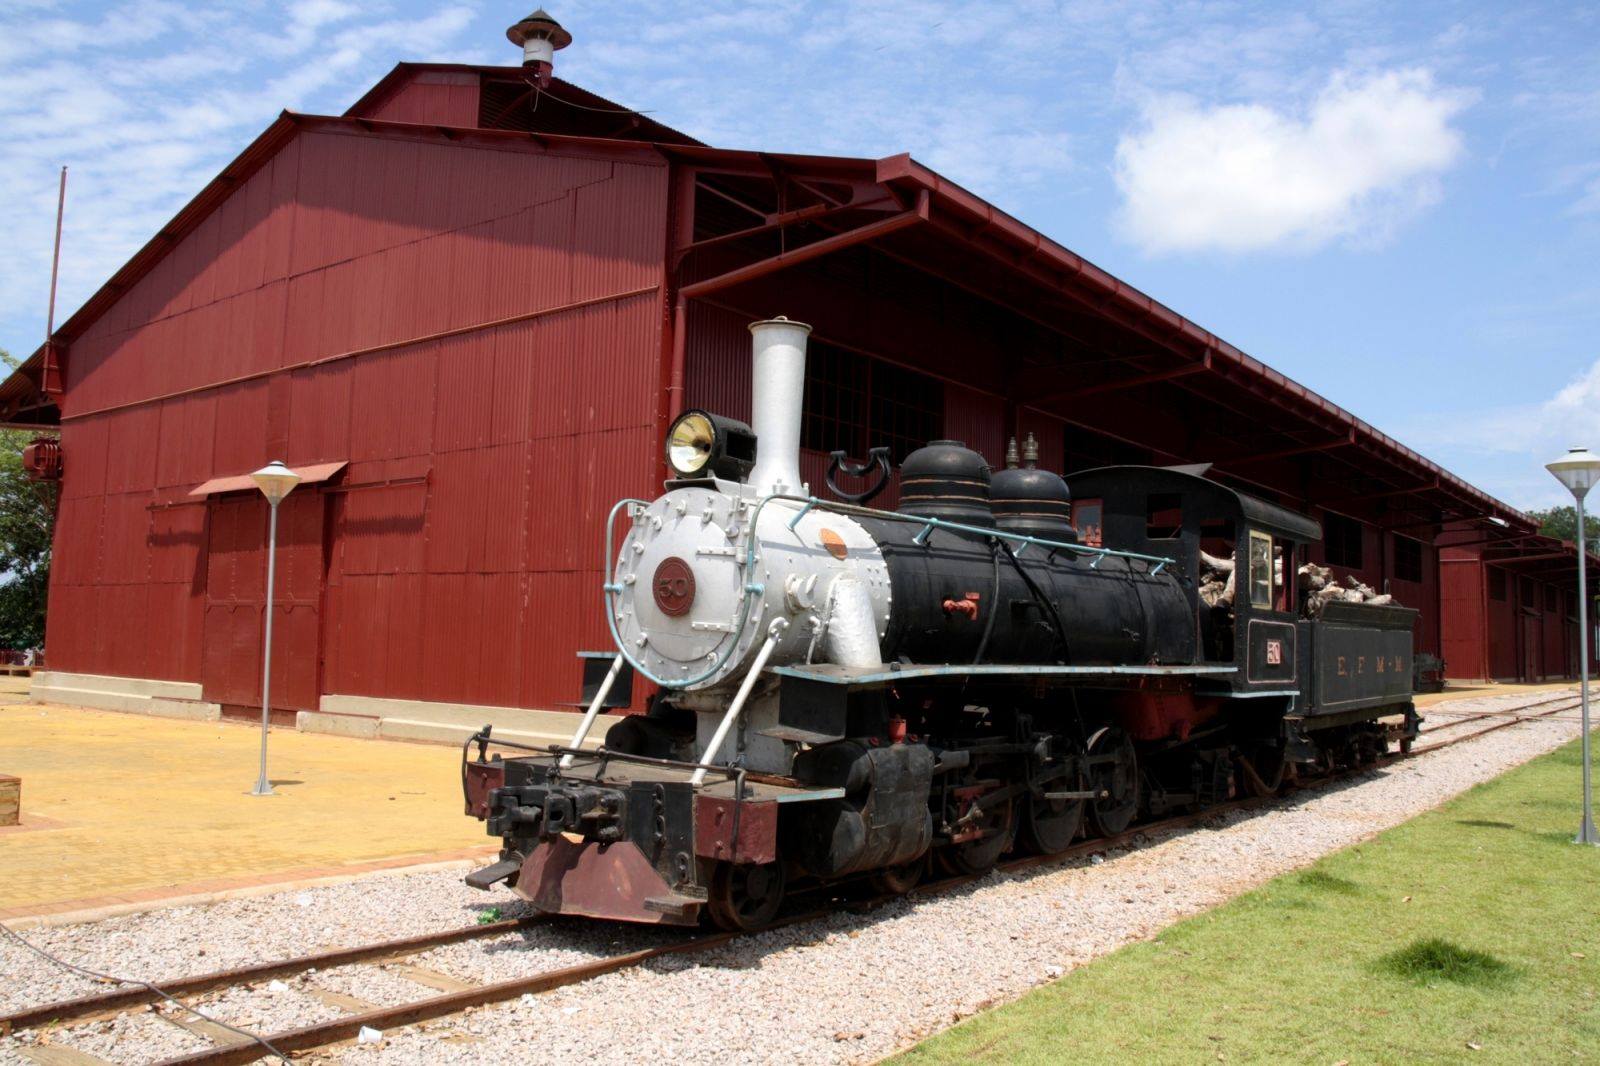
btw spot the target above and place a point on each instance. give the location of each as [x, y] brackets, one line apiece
[777, 395]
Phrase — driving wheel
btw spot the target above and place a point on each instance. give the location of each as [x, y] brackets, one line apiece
[976, 856]
[1264, 768]
[1114, 771]
[1049, 826]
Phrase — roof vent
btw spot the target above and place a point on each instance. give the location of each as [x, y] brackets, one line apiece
[540, 37]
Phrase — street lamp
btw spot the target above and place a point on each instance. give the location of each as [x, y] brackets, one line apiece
[275, 482]
[1578, 470]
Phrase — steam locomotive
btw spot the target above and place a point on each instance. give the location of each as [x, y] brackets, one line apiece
[1007, 660]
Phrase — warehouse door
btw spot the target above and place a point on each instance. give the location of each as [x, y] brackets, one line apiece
[1532, 647]
[236, 578]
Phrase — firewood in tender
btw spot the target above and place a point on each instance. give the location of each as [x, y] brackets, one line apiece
[1217, 593]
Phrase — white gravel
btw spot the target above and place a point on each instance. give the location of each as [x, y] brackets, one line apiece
[850, 988]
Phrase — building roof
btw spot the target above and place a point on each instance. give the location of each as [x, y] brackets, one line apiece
[1189, 354]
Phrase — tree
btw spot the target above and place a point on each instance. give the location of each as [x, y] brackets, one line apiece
[1562, 523]
[27, 522]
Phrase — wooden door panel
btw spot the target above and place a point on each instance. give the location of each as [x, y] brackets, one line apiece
[236, 567]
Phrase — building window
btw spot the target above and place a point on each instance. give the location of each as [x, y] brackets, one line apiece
[1341, 541]
[853, 403]
[1552, 599]
[1525, 594]
[1497, 584]
[907, 409]
[1407, 559]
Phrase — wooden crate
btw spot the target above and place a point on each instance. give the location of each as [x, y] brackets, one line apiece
[10, 800]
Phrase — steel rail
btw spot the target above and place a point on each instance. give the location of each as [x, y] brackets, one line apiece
[1507, 724]
[347, 1027]
[63, 1010]
[1467, 717]
[334, 1030]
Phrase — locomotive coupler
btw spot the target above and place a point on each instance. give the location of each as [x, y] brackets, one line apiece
[545, 811]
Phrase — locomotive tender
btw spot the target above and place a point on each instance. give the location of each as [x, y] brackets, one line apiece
[850, 691]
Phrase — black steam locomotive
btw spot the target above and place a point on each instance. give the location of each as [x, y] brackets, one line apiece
[1005, 661]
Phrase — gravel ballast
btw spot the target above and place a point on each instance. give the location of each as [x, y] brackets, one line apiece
[849, 988]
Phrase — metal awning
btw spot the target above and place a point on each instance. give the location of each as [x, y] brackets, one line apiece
[309, 475]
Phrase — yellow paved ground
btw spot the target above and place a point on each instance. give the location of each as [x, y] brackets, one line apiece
[125, 807]
[1458, 690]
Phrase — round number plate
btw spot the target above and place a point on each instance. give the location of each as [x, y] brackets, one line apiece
[674, 586]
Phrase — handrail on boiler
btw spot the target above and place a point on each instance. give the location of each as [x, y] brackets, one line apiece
[751, 589]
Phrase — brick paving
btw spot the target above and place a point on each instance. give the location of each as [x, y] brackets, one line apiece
[125, 808]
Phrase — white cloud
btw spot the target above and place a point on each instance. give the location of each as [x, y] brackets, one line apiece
[1365, 154]
[1504, 449]
[144, 125]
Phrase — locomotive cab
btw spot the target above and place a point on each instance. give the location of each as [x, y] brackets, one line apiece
[1209, 527]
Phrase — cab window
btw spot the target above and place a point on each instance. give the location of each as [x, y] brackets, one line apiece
[1260, 570]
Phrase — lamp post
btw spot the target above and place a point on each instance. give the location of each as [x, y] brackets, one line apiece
[1578, 470]
[275, 482]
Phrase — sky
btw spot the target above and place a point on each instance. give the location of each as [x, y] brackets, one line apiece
[1396, 205]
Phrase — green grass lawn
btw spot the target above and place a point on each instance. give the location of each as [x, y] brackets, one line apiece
[1471, 933]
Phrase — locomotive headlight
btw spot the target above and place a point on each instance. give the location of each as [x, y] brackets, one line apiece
[701, 444]
[689, 442]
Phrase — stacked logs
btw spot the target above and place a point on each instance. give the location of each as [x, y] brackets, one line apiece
[1321, 589]
[1216, 581]
[1217, 586]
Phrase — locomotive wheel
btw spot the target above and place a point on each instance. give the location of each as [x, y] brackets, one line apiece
[1119, 777]
[1049, 826]
[747, 896]
[898, 880]
[1264, 770]
[978, 856]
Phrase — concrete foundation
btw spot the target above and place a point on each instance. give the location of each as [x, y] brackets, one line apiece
[165, 699]
[350, 716]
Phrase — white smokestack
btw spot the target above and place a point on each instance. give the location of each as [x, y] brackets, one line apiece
[775, 404]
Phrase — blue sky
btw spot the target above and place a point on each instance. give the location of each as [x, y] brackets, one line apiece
[1398, 205]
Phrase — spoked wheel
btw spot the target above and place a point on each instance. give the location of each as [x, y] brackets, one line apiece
[746, 896]
[1263, 769]
[898, 880]
[1049, 826]
[1117, 776]
[977, 856]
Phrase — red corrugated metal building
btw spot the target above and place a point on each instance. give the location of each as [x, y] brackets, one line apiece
[1510, 605]
[474, 319]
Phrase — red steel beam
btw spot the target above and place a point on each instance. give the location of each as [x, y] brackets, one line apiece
[1128, 383]
[1286, 453]
[775, 222]
[1383, 494]
[680, 309]
[806, 253]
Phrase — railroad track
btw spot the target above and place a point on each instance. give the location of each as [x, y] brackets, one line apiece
[235, 1048]
[1499, 720]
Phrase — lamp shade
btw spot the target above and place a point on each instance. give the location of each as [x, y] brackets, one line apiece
[1578, 470]
[275, 480]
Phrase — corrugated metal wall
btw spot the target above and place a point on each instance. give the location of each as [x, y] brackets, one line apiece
[463, 541]
[449, 98]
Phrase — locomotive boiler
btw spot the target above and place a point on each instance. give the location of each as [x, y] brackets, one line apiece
[847, 691]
